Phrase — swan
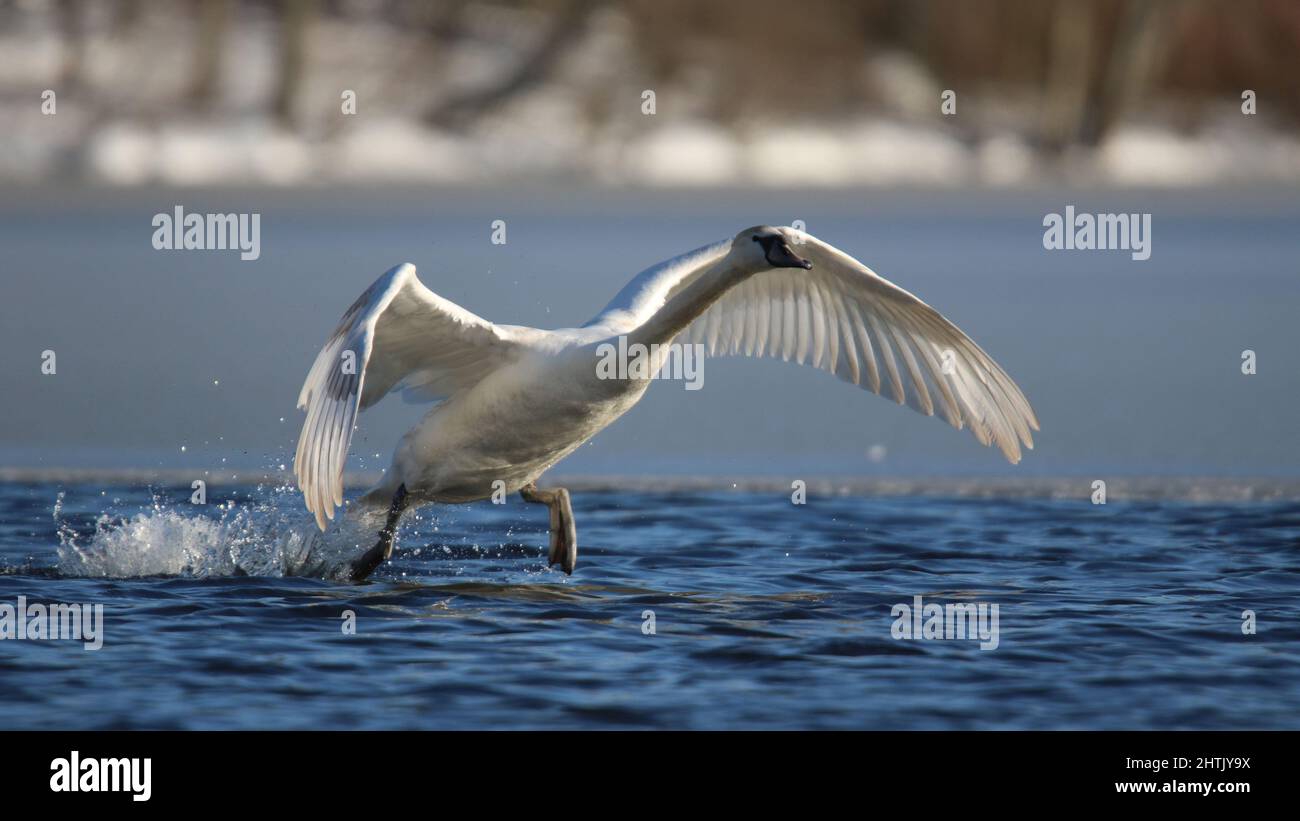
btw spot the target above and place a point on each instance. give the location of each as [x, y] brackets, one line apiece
[512, 401]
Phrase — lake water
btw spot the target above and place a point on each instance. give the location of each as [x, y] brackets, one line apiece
[766, 614]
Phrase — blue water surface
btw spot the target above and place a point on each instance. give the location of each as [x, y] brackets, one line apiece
[766, 614]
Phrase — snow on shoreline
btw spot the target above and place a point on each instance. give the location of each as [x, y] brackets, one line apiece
[686, 154]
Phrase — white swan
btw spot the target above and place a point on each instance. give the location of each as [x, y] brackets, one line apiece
[516, 400]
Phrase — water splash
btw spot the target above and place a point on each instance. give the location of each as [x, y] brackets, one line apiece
[268, 537]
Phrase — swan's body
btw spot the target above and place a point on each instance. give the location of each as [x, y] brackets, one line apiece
[513, 401]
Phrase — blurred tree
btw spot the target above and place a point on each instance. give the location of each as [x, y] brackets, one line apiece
[1139, 47]
[1070, 67]
[210, 37]
[295, 21]
[72, 28]
[567, 25]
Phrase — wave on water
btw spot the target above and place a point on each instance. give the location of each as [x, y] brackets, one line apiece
[269, 537]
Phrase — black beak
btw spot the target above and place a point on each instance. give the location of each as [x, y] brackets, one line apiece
[779, 255]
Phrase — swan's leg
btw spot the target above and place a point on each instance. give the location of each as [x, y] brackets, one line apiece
[564, 534]
[383, 548]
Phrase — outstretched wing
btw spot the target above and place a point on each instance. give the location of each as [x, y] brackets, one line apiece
[398, 334]
[650, 289]
[842, 317]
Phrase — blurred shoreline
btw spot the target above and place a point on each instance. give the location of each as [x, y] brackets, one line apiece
[869, 153]
[932, 93]
[1271, 194]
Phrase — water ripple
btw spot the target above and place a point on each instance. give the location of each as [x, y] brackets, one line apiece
[689, 609]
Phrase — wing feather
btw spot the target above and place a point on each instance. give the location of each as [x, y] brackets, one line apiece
[398, 335]
[843, 318]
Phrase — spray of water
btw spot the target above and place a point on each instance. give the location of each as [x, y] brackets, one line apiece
[270, 536]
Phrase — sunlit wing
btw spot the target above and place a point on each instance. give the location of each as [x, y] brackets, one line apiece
[397, 335]
[843, 318]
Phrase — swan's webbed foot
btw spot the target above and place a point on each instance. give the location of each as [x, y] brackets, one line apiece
[564, 533]
[383, 548]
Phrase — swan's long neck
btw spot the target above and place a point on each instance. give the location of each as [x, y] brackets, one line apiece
[687, 305]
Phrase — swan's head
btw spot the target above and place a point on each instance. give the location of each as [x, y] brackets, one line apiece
[766, 247]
